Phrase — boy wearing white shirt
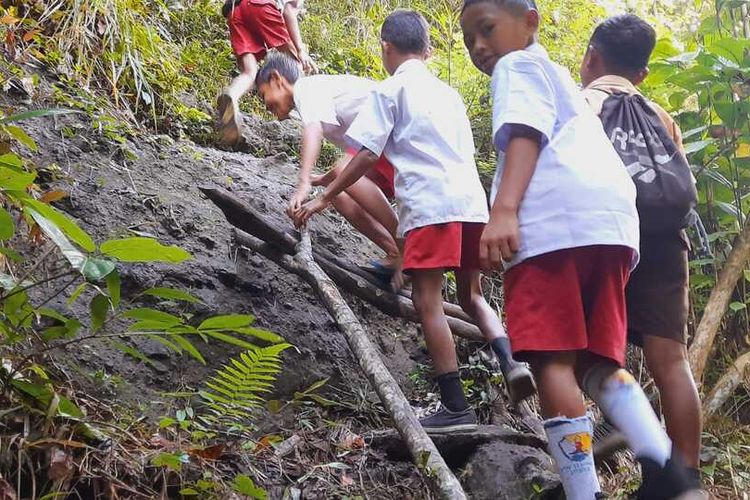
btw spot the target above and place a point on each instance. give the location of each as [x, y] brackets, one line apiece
[327, 105]
[420, 124]
[564, 224]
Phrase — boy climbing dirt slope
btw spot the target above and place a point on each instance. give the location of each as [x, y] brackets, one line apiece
[564, 225]
[420, 124]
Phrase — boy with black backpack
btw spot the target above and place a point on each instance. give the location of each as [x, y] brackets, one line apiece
[650, 144]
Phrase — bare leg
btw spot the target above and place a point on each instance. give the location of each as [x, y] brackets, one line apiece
[228, 108]
[365, 223]
[428, 299]
[667, 361]
[559, 394]
[245, 81]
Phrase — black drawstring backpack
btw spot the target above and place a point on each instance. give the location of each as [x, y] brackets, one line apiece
[666, 192]
[229, 6]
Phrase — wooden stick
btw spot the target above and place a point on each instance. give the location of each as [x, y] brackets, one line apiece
[422, 449]
[717, 304]
[727, 384]
[389, 303]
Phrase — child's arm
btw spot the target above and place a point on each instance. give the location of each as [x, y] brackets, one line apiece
[291, 18]
[500, 239]
[356, 169]
[312, 139]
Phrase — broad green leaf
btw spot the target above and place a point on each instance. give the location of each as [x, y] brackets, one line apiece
[7, 228]
[36, 114]
[171, 294]
[96, 269]
[99, 308]
[230, 340]
[77, 293]
[70, 228]
[51, 313]
[730, 48]
[66, 408]
[147, 314]
[74, 256]
[172, 461]
[8, 282]
[149, 326]
[261, 334]
[166, 422]
[67, 331]
[166, 343]
[245, 486]
[143, 250]
[21, 136]
[188, 492]
[113, 288]
[13, 180]
[12, 161]
[189, 347]
[11, 254]
[130, 351]
[228, 322]
[737, 306]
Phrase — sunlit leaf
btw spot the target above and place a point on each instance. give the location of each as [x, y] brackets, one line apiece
[171, 294]
[228, 339]
[147, 314]
[261, 334]
[7, 227]
[189, 347]
[70, 228]
[143, 250]
[696, 146]
[11, 254]
[35, 114]
[11, 161]
[130, 351]
[21, 136]
[172, 461]
[245, 486]
[74, 256]
[96, 269]
[53, 195]
[737, 306]
[14, 180]
[77, 293]
[227, 322]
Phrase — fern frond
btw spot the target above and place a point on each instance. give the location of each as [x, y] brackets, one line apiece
[238, 387]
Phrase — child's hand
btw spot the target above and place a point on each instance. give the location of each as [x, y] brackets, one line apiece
[500, 239]
[308, 65]
[309, 209]
[298, 198]
[317, 180]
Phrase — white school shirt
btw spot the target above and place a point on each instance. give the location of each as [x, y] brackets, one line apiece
[333, 101]
[580, 193]
[419, 123]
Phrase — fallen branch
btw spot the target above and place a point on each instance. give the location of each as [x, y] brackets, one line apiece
[422, 449]
[389, 303]
[727, 384]
[717, 304]
[243, 216]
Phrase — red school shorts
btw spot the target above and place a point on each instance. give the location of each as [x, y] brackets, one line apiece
[382, 174]
[256, 26]
[451, 246]
[569, 300]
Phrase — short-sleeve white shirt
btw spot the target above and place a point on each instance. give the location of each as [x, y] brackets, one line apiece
[333, 101]
[580, 193]
[419, 123]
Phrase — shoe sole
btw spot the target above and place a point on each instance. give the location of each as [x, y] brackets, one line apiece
[521, 384]
[229, 124]
[450, 428]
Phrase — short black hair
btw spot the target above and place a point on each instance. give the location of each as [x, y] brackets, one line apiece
[625, 43]
[286, 65]
[407, 30]
[516, 7]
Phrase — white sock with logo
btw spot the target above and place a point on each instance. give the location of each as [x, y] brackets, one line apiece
[569, 443]
[623, 402]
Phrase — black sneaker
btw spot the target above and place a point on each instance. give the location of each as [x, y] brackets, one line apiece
[520, 382]
[444, 420]
[670, 482]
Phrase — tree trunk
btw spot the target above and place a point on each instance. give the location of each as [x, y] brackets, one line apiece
[422, 449]
[725, 387]
[717, 304]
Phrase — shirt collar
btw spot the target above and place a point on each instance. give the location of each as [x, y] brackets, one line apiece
[409, 65]
[613, 83]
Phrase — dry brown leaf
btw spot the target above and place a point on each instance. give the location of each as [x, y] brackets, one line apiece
[346, 480]
[8, 20]
[209, 453]
[29, 36]
[60, 464]
[161, 442]
[53, 195]
[351, 441]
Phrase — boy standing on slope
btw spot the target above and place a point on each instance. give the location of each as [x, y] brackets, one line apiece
[255, 26]
[327, 105]
[564, 224]
[657, 292]
[420, 124]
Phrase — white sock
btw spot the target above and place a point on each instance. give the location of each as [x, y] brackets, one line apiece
[570, 445]
[627, 407]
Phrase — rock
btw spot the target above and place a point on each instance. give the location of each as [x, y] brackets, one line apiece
[499, 470]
